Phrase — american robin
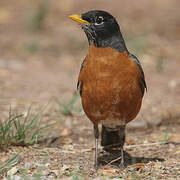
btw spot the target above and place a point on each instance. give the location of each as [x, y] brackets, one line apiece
[111, 80]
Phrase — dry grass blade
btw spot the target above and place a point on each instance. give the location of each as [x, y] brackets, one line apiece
[114, 160]
[147, 144]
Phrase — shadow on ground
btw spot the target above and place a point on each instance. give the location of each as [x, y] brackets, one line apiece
[113, 158]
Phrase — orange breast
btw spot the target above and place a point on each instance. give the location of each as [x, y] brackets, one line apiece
[110, 86]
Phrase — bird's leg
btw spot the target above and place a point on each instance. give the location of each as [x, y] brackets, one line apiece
[122, 140]
[122, 157]
[96, 135]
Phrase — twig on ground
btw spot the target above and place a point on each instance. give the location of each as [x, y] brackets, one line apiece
[147, 144]
[114, 160]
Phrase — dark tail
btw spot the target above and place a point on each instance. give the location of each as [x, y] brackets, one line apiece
[112, 138]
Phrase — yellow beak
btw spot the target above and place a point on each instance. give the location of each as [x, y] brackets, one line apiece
[77, 18]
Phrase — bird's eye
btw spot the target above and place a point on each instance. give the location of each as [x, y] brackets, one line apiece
[99, 20]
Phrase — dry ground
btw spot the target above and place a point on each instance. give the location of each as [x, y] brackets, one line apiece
[40, 66]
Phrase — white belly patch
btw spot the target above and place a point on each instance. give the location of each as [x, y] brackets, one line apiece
[113, 123]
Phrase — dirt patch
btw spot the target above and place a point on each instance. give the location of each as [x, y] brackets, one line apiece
[41, 67]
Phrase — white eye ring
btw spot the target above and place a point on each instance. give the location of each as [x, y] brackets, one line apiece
[99, 18]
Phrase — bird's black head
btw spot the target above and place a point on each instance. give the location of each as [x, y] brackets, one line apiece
[102, 29]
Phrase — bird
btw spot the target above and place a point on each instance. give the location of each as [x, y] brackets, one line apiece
[111, 80]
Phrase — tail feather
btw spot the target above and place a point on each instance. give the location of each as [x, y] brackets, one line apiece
[112, 138]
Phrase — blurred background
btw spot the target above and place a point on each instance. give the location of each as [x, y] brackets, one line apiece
[41, 50]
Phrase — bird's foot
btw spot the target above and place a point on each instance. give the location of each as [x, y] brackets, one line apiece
[122, 158]
[96, 166]
[121, 165]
